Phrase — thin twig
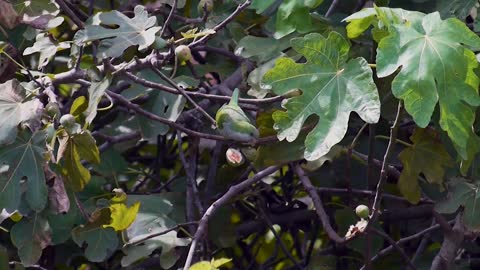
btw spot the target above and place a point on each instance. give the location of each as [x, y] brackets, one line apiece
[332, 8]
[165, 88]
[366, 193]
[279, 239]
[232, 192]
[126, 103]
[184, 93]
[423, 244]
[70, 14]
[224, 23]
[212, 170]
[153, 235]
[384, 170]
[402, 241]
[394, 244]
[191, 184]
[169, 17]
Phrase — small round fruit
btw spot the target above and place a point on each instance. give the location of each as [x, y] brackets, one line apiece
[207, 4]
[67, 120]
[362, 211]
[234, 157]
[183, 53]
[52, 109]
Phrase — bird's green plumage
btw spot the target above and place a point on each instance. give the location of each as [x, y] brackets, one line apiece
[233, 123]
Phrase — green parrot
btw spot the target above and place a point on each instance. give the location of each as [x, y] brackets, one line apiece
[233, 123]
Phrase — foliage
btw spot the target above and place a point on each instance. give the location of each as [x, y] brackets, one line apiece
[239, 134]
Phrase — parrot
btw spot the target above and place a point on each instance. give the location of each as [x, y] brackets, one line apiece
[233, 123]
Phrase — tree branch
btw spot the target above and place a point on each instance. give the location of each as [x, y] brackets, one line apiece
[232, 192]
[317, 202]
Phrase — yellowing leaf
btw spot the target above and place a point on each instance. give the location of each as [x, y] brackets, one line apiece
[203, 265]
[427, 155]
[219, 262]
[122, 216]
[74, 148]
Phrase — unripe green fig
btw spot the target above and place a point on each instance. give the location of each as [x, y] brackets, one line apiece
[183, 53]
[234, 157]
[207, 4]
[362, 211]
[67, 120]
[52, 109]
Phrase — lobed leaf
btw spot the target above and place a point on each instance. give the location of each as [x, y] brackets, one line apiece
[332, 87]
[31, 236]
[139, 30]
[14, 111]
[21, 172]
[436, 67]
[426, 156]
[100, 242]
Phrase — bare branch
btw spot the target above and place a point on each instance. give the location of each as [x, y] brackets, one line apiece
[317, 202]
[232, 192]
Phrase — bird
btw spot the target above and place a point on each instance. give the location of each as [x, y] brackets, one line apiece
[233, 123]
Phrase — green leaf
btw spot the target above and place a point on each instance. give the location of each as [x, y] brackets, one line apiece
[101, 242]
[261, 49]
[462, 193]
[95, 93]
[72, 149]
[332, 88]
[25, 160]
[163, 104]
[381, 18]
[47, 47]
[258, 89]
[35, 8]
[62, 224]
[455, 8]
[261, 5]
[151, 218]
[79, 105]
[436, 67]
[4, 258]
[279, 153]
[113, 164]
[122, 216]
[14, 111]
[139, 30]
[294, 15]
[428, 156]
[30, 236]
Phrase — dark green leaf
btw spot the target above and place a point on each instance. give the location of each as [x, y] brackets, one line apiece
[23, 161]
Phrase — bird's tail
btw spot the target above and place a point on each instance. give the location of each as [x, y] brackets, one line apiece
[234, 99]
